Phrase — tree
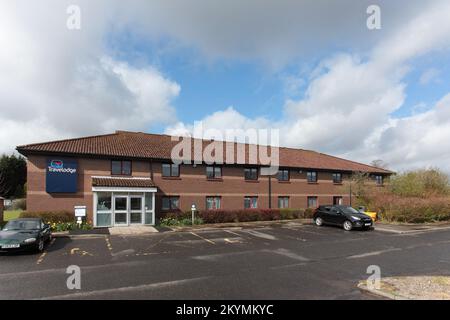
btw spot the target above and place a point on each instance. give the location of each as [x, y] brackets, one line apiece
[13, 176]
[379, 164]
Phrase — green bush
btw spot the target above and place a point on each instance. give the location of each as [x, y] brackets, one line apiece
[309, 213]
[179, 222]
[420, 183]
[50, 216]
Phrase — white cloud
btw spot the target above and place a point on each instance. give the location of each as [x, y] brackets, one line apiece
[349, 101]
[56, 83]
[429, 75]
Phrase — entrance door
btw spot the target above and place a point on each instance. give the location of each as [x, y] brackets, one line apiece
[120, 210]
[136, 209]
[337, 201]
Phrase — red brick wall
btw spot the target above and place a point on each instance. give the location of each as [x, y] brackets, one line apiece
[192, 186]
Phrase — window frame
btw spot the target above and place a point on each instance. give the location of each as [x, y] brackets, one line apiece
[283, 198]
[121, 168]
[340, 179]
[215, 198]
[251, 169]
[251, 202]
[170, 203]
[172, 165]
[288, 174]
[312, 197]
[214, 167]
[377, 181]
[316, 175]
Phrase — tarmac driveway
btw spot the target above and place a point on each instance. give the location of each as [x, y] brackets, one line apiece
[289, 261]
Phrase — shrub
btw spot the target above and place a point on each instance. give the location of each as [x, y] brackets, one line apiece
[19, 204]
[420, 183]
[309, 212]
[50, 216]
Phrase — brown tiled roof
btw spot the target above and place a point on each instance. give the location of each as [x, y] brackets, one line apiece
[122, 182]
[154, 146]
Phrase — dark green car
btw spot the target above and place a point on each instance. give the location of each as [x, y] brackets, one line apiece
[25, 234]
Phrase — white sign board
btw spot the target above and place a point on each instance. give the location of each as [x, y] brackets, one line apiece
[80, 211]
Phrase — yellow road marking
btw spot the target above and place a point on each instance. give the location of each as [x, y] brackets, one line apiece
[42, 256]
[236, 234]
[199, 236]
[108, 244]
[80, 252]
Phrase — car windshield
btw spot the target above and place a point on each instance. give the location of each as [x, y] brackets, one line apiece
[349, 210]
[22, 225]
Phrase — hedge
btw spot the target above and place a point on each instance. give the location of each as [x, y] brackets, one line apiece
[243, 215]
[50, 216]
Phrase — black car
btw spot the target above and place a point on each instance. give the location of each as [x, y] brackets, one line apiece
[347, 217]
[25, 234]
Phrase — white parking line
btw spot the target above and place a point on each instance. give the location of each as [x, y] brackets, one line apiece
[199, 236]
[121, 290]
[373, 253]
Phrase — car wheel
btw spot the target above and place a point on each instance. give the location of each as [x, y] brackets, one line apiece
[318, 221]
[40, 245]
[348, 226]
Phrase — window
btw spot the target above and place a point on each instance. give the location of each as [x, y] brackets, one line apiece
[337, 201]
[213, 203]
[283, 202]
[170, 203]
[283, 175]
[312, 202]
[379, 180]
[120, 168]
[213, 172]
[170, 170]
[311, 176]
[250, 202]
[251, 173]
[337, 177]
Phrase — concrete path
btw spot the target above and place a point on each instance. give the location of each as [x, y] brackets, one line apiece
[132, 230]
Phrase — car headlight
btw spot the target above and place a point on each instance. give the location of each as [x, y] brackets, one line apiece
[356, 218]
[30, 240]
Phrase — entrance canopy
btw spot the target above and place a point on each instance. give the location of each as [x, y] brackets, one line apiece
[120, 201]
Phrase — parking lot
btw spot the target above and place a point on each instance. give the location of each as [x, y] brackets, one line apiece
[289, 261]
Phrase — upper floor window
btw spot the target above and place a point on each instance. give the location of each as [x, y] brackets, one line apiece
[121, 168]
[250, 202]
[379, 180]
[337, 177]
[170, 170]
[311, 176]
[251, 173]
[170, 203]
[283, 202]
[213, 203]
[213, 172]
[283, 175]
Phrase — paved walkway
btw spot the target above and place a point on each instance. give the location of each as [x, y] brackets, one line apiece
[132, 230]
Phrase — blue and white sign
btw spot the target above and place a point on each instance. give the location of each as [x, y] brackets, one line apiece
[62, 175]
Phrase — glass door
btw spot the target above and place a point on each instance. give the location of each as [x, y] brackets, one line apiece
[136, 208]
[120, 210]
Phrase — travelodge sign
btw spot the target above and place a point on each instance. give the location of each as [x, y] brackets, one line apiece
[62, 175]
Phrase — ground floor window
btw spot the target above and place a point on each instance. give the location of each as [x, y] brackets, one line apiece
[170, 202]
[250, 202]
[213, 203]
[283, 202]
[312, 202]
[338, 201]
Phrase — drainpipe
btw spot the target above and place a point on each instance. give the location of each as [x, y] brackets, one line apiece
[270, 192]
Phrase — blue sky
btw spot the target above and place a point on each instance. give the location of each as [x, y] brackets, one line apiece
[311, 69]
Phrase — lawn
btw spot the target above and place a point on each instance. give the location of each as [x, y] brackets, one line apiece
[11, 214]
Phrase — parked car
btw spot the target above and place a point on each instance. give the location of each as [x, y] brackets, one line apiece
[25, 234]
[371, 214]
[347, 217]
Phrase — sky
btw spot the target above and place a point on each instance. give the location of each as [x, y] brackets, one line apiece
[311, 69]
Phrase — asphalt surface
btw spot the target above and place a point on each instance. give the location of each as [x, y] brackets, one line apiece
[289, 261]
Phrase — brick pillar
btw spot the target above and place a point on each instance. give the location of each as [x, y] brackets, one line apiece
[1, 209]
